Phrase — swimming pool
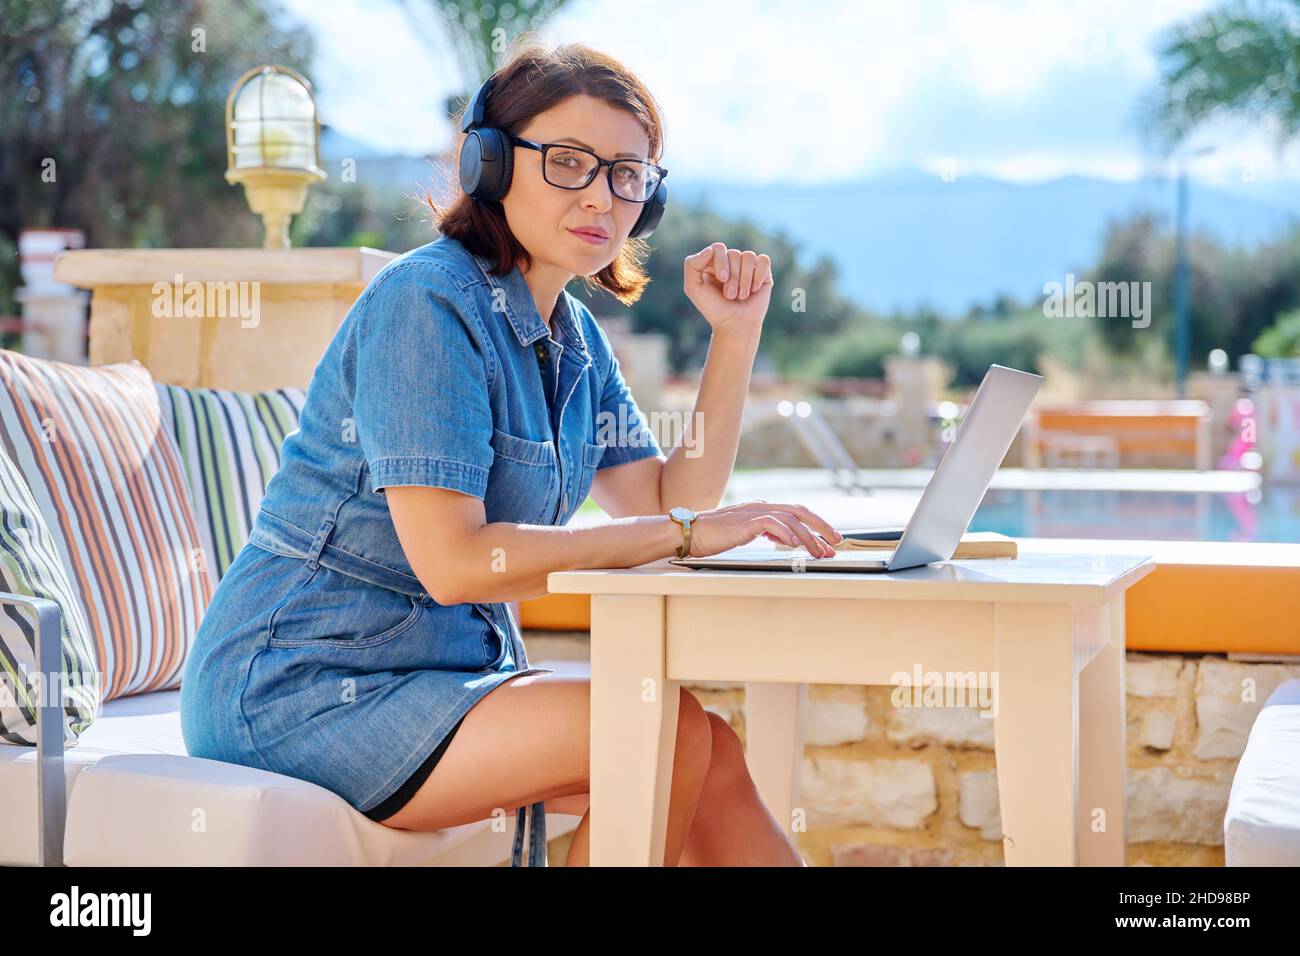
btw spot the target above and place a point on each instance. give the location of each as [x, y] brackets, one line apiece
[1057, 503]
[1265, 514]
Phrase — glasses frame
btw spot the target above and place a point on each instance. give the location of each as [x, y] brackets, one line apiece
[609, 173]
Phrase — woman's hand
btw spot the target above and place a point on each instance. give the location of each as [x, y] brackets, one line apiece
[731, 288]
[721, 529]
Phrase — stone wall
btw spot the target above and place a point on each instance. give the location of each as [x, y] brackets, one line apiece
[890, 786]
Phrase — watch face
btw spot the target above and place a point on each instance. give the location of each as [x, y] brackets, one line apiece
[682, 514]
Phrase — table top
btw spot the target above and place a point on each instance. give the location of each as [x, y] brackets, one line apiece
[1032, 577]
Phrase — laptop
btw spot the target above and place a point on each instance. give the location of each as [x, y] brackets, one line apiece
[948, 503]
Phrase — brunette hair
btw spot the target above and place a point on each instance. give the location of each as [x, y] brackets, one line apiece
[534, 78]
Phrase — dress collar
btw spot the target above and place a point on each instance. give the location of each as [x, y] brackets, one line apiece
[522, 312]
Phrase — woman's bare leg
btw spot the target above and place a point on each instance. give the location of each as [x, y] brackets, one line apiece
[732, 826]
[529, 740]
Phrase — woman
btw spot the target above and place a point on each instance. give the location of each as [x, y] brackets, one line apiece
[455, 421]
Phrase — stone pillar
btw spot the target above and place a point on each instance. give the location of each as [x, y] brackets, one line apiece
[1221, 393]
[246, 319]
[915, 383]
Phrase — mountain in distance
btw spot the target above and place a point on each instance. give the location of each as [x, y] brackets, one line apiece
[906, 238]
[406, 175]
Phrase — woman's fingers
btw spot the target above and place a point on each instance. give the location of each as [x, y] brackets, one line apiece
[810, 518]
[720, 261]
[748, 262]
[804, 534]
[711, 260]
[733, 273]
[762, 272]
[773, 527]
[739, 273]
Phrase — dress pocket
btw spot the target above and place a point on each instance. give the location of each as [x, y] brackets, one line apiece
[332, 609]
[592, 454]
[523, 482]
[496, 643]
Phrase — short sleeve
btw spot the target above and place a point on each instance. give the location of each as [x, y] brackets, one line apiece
[420, 385]
[620, 425]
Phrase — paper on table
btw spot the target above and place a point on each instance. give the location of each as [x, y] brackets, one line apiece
[974, 544]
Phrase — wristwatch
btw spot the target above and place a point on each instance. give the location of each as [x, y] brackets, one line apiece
[684, 517]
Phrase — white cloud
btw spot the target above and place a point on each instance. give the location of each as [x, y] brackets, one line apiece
[760, 90]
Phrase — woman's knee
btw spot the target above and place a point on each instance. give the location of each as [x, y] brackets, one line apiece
[727, 764]
[694, 736]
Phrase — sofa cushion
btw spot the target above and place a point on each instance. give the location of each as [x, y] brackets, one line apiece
[108, 481]
[133, 792]
[1261, 826]
[30, 565]
[138, 808]
[140, 724]
[229, 444]
[151, 810]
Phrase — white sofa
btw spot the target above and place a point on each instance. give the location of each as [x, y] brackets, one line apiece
[129, 795]
[1262, 824]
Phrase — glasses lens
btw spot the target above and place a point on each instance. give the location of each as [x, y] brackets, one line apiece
[635, 181]
[568, 168]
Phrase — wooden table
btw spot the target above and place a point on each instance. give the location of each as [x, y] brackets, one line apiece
[1044, 631]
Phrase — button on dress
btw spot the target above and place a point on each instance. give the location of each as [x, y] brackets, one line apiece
[322, 656]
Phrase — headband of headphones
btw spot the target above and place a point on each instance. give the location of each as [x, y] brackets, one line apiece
[477, 108]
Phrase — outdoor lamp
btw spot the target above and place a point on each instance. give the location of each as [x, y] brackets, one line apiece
[273, 146]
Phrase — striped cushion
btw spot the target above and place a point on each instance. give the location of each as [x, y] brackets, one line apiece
[107, 479]
[29, 564]
[229, 444]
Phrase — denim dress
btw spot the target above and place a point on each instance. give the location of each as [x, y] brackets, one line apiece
[322, 656]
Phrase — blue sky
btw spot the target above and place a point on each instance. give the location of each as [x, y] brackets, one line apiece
[827, 90]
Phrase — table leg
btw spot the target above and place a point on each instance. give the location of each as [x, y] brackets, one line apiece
[633, 731]
[1035, 735]
[774, 717]
[1103, 733]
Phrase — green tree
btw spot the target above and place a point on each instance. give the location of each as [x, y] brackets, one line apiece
[1241, 58]
[1283, 339]
[478, 33]
[113, 117]
[805, 306]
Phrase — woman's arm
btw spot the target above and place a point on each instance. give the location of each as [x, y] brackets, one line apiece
[462, 558]
[698, 469]
[732, 290]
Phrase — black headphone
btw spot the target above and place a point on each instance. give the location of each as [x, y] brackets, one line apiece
[487, 160]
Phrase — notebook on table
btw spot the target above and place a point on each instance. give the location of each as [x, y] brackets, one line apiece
[973, 544]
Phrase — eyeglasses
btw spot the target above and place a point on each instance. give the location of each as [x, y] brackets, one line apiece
[572, 167]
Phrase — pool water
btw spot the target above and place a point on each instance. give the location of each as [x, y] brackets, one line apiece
[1268, 513]
[1168, 506]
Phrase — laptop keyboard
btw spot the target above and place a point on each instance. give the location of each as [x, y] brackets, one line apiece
[854, 555]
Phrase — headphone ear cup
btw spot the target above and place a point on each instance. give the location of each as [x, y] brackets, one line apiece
[651, 212]
[486, 164]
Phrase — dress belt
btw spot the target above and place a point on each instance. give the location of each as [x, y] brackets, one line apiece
[535, 817]
[284, 537]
